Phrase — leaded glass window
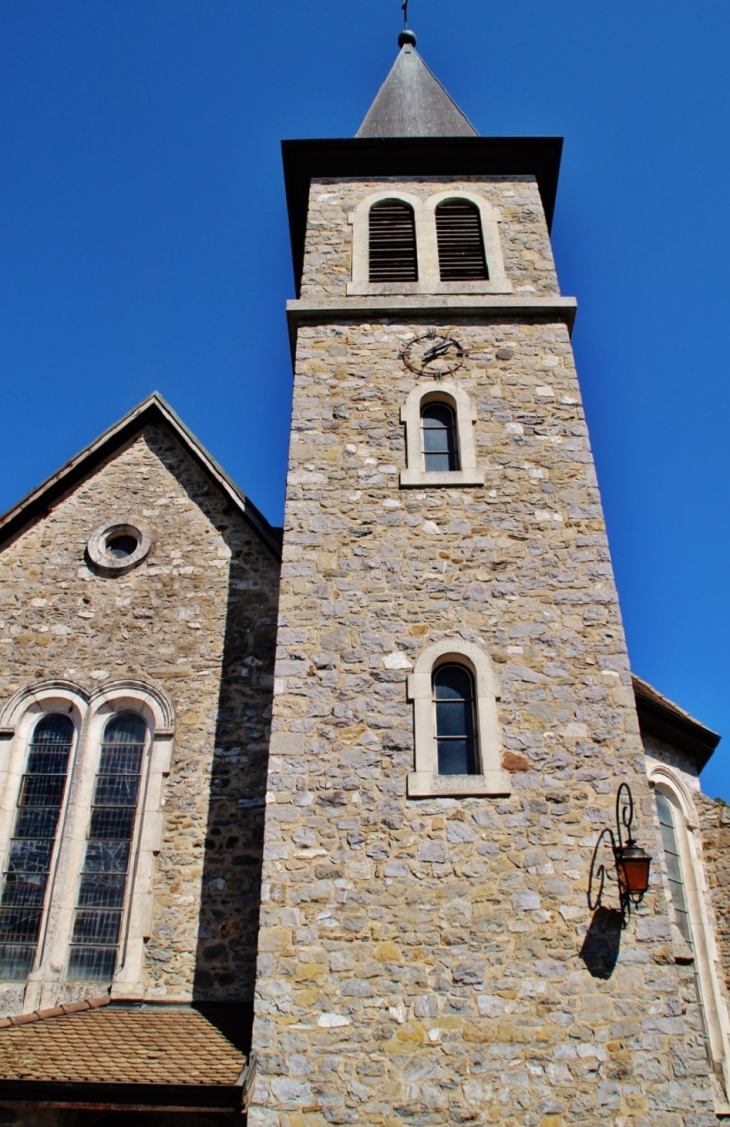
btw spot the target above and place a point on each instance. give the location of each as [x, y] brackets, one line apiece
[677, 891]
[453, 697]
[100, 903]
[438, 426]
[30, 856]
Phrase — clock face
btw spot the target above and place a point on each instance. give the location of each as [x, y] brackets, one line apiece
[433, 354]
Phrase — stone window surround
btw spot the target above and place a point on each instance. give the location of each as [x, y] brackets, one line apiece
[675, 790]
[449, 392]
[425, 780]
[89, 713]
[97, 547]
[429, 278]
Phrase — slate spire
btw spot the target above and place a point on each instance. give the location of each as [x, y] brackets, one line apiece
[412, 102]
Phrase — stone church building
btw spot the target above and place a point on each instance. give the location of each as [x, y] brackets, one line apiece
[311, 825]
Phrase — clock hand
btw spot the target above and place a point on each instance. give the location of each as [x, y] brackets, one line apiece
[437, 350]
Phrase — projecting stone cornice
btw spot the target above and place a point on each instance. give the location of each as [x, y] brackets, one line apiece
[414, 307]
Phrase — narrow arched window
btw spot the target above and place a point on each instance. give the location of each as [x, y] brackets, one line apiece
[103, 886]
[438, 428]
[392, 242]
[456, 739]
[677, 892]
[39, 804]
[460, 242]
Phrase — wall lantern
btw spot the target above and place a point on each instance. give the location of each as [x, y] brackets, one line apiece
[631, 863]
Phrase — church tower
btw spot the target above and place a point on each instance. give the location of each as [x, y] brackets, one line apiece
[453, 712]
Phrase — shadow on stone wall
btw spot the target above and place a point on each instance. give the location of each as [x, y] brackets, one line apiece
[231, 890]
[602, 942]
[231, 882]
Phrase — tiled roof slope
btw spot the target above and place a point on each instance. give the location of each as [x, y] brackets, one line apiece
[96, 1043]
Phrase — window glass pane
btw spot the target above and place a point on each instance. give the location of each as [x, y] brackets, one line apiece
[116, 790]
[111, 822]
[438, 428]
[92, 964]
[456, 757]
[453, 692]
[37, 821]
[106, 857]
[102, 888]
[16, 961]
[40, 797]
[19, 924]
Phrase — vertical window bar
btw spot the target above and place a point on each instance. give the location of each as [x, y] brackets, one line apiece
[438, 432]
[456, 739]
[28, 865]
[103, 884]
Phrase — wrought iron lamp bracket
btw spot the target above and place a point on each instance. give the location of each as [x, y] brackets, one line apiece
[623, 849]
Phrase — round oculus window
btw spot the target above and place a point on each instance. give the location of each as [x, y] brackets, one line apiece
[117, 548]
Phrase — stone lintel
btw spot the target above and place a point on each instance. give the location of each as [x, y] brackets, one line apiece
[415, 307]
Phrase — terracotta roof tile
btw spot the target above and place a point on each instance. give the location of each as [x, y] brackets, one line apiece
[92, 1042]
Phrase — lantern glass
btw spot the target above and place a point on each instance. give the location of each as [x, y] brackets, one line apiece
[632, 869]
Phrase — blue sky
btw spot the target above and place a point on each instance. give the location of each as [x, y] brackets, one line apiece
[144, 245]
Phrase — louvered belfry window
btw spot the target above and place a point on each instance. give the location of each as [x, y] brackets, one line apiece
[102, 891]
[460, 242]
[393, 255]
[39, 805]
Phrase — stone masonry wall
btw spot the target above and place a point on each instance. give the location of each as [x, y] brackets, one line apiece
[714, 818]
[526, 250]
[196, 618]
[434, 961]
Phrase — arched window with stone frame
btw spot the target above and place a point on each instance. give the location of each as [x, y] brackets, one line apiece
[97, 911]
[458, 751]
[687, 896]
[439, 419]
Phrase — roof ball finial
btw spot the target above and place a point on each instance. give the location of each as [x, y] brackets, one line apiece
[406, 36]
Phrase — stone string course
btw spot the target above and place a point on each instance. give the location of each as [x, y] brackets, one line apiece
[428, 961]
[197, 618]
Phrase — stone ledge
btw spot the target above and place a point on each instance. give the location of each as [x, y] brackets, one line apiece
[407, 307]
[437, 479]
[422, 784]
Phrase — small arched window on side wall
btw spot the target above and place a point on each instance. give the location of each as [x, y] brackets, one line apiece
[455, 727]
[460, 242]
[687, 894]
[109, 850]
[392, 242]
[439, 419]
[439, 438]
[32, 849]
[458, 749]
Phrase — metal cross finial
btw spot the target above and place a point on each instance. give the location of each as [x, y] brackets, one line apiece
[404, 6]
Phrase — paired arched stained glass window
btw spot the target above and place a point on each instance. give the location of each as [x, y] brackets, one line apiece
[38, 810]
[99, 908]
[392, 242]
[438, 429]
[455, 725]
[460, 242]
